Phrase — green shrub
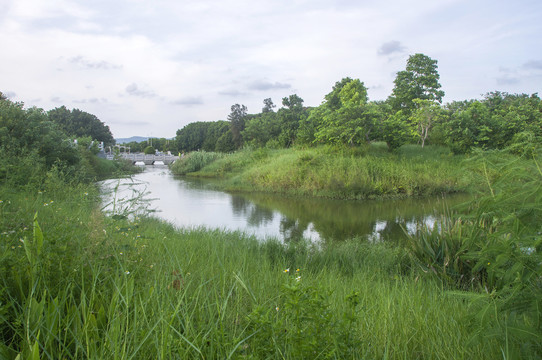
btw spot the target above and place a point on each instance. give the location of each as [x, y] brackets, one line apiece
[495, 246]
[194, 161]
[149, 150]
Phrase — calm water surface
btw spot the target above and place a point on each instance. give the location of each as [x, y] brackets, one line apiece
[192, 203]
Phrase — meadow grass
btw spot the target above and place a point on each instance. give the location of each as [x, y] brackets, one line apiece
[346, 173]
[99, 287]
[75, 283]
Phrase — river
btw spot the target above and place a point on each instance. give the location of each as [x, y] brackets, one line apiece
[192, 203]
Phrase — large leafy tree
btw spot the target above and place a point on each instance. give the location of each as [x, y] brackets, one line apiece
[29, 131]
[346, 116]
[192, 136]
[79, 123]
[420, 80]
[237, 119]
[469, 127]
[289, 117]
[268, 105]
[261, 128]
[200, 135]
[426, 114]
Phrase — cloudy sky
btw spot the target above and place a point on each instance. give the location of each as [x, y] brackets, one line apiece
[150, 67]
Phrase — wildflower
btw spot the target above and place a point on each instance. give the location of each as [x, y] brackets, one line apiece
[489, 263]
[1, 201]
[297, 270]
[121, 253]
[86, 194]
[287, 270]
[45, 204]
[127, 272]
[277, 308]
[298, 278]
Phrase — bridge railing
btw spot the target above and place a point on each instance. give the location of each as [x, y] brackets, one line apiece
[144, 157]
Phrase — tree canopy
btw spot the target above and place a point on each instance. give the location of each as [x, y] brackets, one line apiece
[420, 80]
[413, 113]
[79, 123]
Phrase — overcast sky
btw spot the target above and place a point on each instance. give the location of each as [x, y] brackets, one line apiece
[150, 67]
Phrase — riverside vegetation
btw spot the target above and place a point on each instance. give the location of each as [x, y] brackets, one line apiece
[336, 172]
[79, 284]
[76, 283]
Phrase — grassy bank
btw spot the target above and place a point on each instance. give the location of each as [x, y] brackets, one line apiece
[77, 284]
[337, 173]
[100, 288]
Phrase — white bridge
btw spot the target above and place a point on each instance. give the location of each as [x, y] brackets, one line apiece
[146, 159]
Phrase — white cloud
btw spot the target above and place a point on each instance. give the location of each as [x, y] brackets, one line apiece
[135, 64]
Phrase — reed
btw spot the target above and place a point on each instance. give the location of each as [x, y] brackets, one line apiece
[113, 288]
[75, 283]
[194, 161]
[341, 172]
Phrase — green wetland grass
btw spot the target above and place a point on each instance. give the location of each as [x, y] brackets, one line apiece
[76, 284]
[94, 287]
[345, 173]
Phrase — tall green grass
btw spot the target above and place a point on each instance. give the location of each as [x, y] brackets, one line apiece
[347, 173]
[77, 284]
[494, 247]
[194, 161]
[105, 288]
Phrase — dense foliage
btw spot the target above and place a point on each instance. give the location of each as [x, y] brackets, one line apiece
[33, 145]
[76, 284]
[413, 114]
[77, 123]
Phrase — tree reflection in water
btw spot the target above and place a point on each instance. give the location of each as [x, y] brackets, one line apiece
[325, 219]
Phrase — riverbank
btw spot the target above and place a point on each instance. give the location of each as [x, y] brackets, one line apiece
[77, 284]
[342, 173]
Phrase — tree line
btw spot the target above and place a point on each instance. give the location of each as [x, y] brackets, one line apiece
[34, 141]
[413, 113]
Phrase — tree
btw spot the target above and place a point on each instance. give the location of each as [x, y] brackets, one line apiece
[237, 123]
[225, 143]
[289, 117]
[469, 127]
[424, 117]
[268, 105]
[79, 123]
[395, 130]
[345, 114]
[261, 128]
[192, 136]
[149, 150]
[214, 131]
[332, 99]
[420, 80]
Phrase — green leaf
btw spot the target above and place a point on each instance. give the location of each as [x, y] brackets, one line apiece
[38, 235]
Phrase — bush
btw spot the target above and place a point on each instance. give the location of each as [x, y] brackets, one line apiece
[494, 247]
[149, 150]
[194, 161]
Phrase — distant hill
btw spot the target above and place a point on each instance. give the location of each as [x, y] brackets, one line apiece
[131, 139]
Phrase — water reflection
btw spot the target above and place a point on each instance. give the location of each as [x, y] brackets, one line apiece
[321, 219]
[193, 203]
